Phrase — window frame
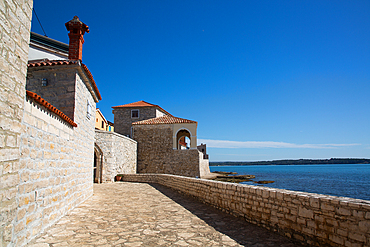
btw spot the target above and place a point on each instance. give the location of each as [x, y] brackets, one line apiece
[135, 110]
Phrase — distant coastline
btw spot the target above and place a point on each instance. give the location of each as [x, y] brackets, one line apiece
[294, 162]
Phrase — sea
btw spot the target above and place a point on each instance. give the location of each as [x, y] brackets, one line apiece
[346, 180]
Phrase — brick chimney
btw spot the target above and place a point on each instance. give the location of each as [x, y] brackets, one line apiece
[76, 33]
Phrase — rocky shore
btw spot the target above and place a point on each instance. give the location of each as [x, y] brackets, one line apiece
[233, 177]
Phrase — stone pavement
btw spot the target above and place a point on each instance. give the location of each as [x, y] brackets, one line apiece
[139, 214]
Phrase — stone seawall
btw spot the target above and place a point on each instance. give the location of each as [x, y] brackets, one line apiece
[313, 219]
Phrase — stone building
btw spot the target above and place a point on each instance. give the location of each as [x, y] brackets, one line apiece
[125, 115]
[57, 147]
[166, 144]
[47, 117]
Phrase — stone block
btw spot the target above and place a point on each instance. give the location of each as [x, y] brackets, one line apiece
[9, 180]
[367, 215]
[19, 227]
[306, 213]
[364, 226]
[327, 206]
[357, 237]
[337, 239]
[343, 211]
[331, 222]
[342, 232]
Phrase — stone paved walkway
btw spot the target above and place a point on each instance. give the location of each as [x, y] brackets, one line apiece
[139, 214]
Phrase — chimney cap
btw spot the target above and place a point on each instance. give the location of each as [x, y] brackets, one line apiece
[76, 23]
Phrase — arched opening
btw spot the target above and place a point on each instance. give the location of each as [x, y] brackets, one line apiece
[183, 138]
[98, 165]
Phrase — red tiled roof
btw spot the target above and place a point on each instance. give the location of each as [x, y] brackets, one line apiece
[167, 119]
[142, 103]
[49, 106]
[47, 62]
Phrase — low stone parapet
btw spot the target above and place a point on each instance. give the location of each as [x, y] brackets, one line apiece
[313, 219]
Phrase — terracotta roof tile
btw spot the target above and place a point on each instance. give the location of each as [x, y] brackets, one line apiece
[167, 119]
[47, 62]
[49, 106]
[142, 103]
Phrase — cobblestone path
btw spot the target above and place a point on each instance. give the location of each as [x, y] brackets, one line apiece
[139, 214]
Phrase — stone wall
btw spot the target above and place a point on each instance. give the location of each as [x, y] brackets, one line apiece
[313, 219]
[156, 153]
[123, 120]
[56, 165]
[119, 154]
[203, 165]
[15, 24]
[61, 89]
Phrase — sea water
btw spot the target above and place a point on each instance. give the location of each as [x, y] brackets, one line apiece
[346, 180]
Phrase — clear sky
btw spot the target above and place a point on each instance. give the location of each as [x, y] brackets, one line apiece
[264, 79]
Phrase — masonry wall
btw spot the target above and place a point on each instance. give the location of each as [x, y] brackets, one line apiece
[61, 88]
[56, 165]
[15, 23]
[123, 120]
[119, 154]
[314, 219]
[156, 154]
[203, 165]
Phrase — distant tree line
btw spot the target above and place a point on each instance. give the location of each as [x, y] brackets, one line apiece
[294, 162]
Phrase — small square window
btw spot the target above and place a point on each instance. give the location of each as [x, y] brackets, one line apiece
[134, 113]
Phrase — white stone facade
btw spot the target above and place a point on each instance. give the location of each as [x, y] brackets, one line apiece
[55, 166]
[15, 24]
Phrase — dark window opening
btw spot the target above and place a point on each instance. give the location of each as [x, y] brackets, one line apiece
[134, 113]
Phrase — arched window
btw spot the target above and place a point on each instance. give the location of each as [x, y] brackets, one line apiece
[183, 138]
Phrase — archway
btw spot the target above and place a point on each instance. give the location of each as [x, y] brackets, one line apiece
[183, 138]
[98, 165]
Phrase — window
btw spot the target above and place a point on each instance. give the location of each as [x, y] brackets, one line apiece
[89, 110]
[134, 113]
[102, 124]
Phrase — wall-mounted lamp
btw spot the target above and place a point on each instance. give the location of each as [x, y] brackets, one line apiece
[44, 82]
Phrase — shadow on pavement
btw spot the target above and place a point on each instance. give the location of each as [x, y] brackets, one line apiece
[236, 228]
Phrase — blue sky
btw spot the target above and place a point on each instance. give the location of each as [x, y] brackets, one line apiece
[264, 79]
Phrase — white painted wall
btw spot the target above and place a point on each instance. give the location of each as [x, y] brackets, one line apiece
[36, 53]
